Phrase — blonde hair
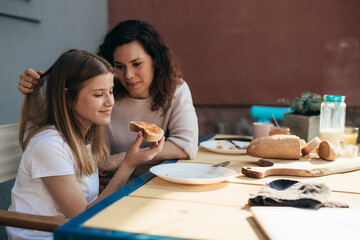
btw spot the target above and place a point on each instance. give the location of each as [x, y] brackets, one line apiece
[70, 71]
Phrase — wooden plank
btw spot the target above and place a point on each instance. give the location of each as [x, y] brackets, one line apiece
[226, 194]
[176, 219]
[30, 221]
[229, 194]
[215, 211]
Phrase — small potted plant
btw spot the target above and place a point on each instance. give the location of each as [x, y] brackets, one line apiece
[305, 119]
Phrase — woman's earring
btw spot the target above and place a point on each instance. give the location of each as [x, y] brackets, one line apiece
[70, 108]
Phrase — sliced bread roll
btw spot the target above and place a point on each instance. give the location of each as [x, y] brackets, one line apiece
[151, 132]
[327, 151]
[276, 146]
[310, 146]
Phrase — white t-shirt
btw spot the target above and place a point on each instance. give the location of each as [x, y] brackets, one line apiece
[46, 155]
[180, 123]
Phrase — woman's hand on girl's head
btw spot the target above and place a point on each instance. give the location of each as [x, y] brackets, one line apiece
[137, 156]
[28, 80]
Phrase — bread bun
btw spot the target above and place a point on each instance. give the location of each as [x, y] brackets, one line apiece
[151, 132]
[310, 146]
[276, 146]
[327, 151]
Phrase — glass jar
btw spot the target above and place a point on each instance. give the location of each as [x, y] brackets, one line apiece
[332, 119]
[279, 131]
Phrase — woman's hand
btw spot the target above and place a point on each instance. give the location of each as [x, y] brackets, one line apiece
[28, 80]
[137, 156]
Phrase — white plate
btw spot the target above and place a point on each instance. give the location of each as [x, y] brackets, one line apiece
[212, 146]
[192, 173]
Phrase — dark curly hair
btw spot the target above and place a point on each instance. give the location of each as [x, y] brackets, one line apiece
[167, 74]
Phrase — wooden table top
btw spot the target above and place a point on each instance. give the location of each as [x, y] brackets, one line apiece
[159, 209]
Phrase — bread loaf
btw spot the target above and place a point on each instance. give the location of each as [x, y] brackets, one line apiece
[310, 146]
[327, 151]
[151, 132]
[276, 146]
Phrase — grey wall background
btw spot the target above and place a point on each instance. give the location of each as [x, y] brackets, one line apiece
[33, 33]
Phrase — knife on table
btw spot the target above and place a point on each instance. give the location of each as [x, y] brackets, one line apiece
[244, 139]
[236, 146]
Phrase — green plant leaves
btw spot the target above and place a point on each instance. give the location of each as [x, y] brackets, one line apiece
[308, 104]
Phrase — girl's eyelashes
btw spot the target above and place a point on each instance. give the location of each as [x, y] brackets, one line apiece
[100, 94]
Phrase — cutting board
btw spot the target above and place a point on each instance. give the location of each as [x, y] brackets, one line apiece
[313, 167]
[283, 223]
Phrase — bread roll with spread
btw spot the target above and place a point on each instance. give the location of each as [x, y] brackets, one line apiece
[151, 132]
[276, 146]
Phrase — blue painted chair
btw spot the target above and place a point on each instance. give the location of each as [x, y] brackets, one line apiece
[265, 113]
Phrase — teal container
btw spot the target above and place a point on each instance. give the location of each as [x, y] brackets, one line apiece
[265, 113]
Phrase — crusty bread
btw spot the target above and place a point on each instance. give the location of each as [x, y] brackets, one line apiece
[310, 146]
[276, 146]
[302, 143]
[151, 132]
[327, 151]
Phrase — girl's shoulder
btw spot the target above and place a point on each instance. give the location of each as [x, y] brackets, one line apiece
[47, 137]
[47, 154]
[47, 133]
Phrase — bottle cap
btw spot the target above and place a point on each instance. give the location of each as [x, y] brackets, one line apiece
[334, 98]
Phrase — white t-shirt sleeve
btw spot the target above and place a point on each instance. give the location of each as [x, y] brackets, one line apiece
[183, 126]
[51, 157]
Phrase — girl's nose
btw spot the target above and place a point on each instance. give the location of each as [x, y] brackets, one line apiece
[109, 102]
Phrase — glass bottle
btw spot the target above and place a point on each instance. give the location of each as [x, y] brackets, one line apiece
[332, 119]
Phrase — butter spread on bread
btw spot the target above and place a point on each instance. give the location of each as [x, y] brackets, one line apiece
[275, 146]
[151, 132]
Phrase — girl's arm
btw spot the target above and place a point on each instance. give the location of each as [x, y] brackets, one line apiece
[67, 191]
[169, 150]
